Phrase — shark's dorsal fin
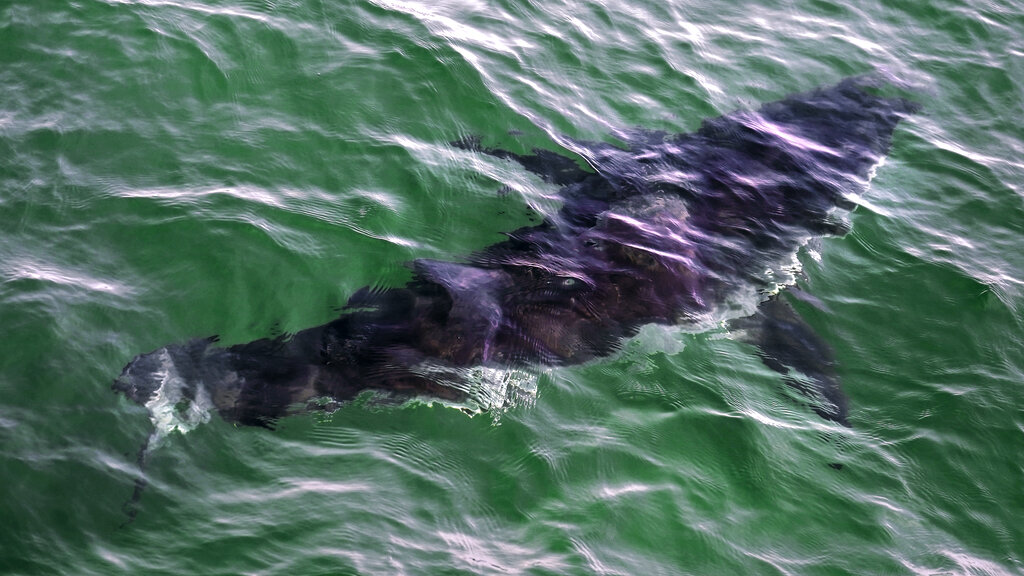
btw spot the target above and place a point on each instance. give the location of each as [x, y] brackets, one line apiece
[475, 294]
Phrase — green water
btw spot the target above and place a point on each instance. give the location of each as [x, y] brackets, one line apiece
[171, 169]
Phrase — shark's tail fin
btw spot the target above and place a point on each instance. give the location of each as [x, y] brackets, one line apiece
[180, 385]
[167, 383]
[170, 383]
[253, 383]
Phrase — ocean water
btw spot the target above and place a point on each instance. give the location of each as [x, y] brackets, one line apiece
[173, 169]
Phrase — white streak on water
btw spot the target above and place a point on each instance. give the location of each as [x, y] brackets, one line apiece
[45, 272]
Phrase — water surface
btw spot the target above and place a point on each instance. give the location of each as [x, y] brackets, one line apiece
[177, 169]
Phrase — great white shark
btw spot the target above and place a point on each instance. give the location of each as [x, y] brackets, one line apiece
[694, 229]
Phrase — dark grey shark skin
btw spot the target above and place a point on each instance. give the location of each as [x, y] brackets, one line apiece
[672, 229]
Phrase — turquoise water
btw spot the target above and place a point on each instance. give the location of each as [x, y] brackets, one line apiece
[177, 169]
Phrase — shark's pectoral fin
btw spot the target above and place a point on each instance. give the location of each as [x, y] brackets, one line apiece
[788, 345]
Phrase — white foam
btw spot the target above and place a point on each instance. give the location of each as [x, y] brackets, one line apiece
[486, 388]
[169, 408]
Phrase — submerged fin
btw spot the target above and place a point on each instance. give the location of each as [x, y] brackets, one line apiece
[788, 345]
[552, 167]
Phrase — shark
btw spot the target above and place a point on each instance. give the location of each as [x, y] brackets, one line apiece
[687, 230]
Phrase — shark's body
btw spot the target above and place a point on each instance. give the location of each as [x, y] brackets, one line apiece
[674, 229]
